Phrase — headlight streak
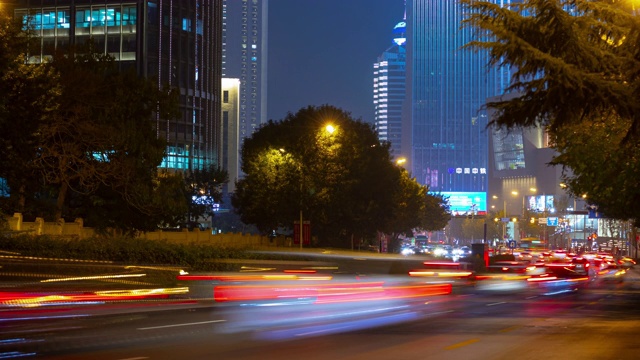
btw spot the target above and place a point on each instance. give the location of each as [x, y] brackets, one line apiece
[255, 269]
[328, 293]
[102, 277]
[43, 317]
[15, 354]
[22, 299]
[167, 268]
[250, 278]
[16, 257]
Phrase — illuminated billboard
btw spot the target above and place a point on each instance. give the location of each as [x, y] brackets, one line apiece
[461, 203]
[540, 203]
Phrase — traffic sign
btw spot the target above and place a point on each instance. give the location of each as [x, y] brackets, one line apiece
[504, 219]
[542, 221]
[552, 221]
[511, 244]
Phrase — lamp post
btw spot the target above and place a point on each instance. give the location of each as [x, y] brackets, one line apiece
[504, 223]
[330, 129]
[504, 215]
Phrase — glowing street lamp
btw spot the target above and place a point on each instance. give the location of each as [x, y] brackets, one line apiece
[330, 129]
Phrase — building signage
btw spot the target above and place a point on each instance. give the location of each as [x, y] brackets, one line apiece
[468, 171]
[466, 202]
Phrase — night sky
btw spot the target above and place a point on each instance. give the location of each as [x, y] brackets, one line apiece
[322, 52]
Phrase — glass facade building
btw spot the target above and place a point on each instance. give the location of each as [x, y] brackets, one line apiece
[389, 90]
[178, 43]
[448, 87]
[245, 32]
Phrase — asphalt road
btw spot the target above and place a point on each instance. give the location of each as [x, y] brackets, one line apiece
[600, 322]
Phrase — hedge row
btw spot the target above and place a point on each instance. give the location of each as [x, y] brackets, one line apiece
[127, 250]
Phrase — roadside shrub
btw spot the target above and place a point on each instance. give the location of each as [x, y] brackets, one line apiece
[126, 250]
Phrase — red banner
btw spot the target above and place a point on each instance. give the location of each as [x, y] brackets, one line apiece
[306, 233]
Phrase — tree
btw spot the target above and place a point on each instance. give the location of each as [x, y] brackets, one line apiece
[104, 137]
[436, 212]
[575, 70]
[605, 166]
[203, 190]
[473, 229]
[343, 181]
[105, 209]
[77, 129]
[494, 225]
[28, 95]
[414, 209]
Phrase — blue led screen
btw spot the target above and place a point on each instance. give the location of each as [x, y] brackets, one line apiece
[463, 202]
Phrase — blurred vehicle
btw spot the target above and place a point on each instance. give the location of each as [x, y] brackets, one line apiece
[412, 250]
[611, 272]
[422, 240]
[408, 250]
[582, 266]
[559, 254]
[461, 251]
[525, 256]
[517, 267]
[626, 262]
[307, 306]
[442, 251]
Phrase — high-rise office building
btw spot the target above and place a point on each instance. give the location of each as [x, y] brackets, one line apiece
[389, 90]
[172, 42]
[229, 131]
[447, 89]
[245, 30]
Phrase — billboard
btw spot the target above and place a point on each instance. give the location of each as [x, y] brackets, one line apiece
[540, 203]
[461, 203]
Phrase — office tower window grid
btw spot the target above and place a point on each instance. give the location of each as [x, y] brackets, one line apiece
[172, 42]
[448, 89]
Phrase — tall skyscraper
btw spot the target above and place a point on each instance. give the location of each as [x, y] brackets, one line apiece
[245, 30]
[229, 132]
[448, 87]
[389, 90]
[172, 42]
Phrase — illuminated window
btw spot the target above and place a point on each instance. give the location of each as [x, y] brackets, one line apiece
[508, 150]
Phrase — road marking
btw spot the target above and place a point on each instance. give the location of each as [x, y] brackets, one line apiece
[135, 358]
[440, 312]
[498, 303]
[511, 328]
[176, 325]
[461, 344]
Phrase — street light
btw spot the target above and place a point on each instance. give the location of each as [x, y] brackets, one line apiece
[504, 215]
[330, 129]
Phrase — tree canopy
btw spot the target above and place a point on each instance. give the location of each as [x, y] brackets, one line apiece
[335, 170]
[575, 67]
[28, 95]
